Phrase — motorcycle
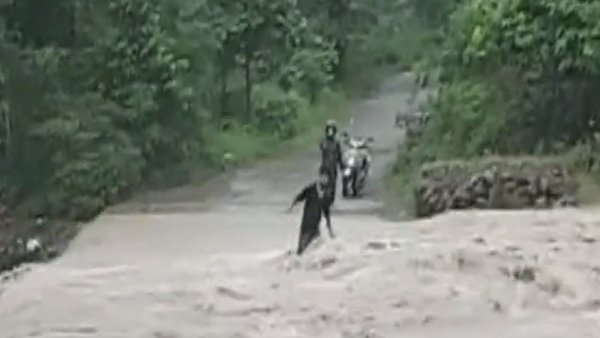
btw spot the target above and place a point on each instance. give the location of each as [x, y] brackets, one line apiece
[357, 161]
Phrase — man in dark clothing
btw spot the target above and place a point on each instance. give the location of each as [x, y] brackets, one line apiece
[317, 199]
[331, 154]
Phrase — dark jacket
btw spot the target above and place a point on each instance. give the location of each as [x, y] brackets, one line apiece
[331, 154]
[316, 204]
[311, 217]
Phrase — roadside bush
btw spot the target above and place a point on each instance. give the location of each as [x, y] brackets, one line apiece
[237, 144]
[472, 118]
[277, 111]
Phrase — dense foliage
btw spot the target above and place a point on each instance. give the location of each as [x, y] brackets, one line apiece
[97, 97]
[517, 77]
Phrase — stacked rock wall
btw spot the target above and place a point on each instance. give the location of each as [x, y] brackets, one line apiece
[494, 183]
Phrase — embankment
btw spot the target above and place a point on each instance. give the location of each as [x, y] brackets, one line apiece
[494, 183]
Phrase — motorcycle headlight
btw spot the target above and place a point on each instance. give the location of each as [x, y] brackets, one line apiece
[351, 161]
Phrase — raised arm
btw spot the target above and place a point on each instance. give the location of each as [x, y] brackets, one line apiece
[302, 195]
[321, 146]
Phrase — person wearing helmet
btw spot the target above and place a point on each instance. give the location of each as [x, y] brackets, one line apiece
[331, 153]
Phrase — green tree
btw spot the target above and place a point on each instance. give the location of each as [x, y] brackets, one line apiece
[538, 59]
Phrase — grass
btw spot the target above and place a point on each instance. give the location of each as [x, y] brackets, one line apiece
[247, 145]
[589, 188]
[399, 188]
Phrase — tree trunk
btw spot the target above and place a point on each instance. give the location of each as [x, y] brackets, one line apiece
[8, 132]
[248, 36]
[340, 49]
[223, 79]
[248, 82]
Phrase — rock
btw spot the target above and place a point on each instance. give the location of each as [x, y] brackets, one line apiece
[524, 274]
[233, 294]
[544, 184]
[402, 303]
[497, 306]
[510, 186]
[376, 245]
[566, 201]
[479, 240]
[585, 238]
[557, 172]
[33, 245]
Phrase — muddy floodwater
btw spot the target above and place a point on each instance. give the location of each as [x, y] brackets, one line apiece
[212, 260]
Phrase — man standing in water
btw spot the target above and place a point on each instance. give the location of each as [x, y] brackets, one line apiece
[317, 199]
[331, 154]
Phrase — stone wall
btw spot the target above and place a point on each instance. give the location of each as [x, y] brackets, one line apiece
[494, 183]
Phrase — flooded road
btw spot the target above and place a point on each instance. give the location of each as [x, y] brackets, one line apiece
[212, 261]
